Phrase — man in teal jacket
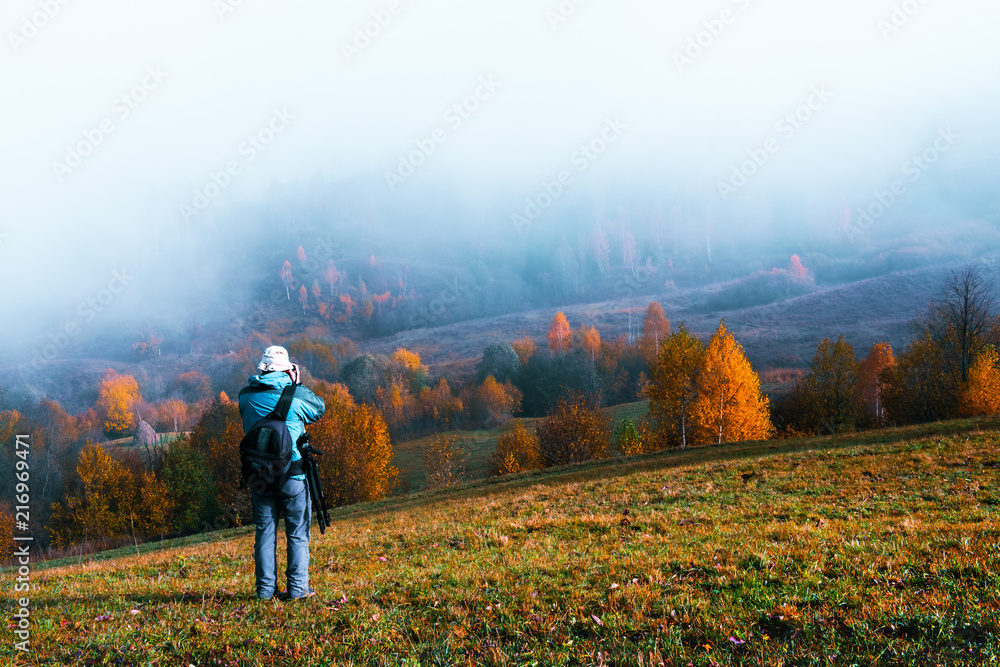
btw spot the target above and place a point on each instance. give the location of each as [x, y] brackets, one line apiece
[257, 400]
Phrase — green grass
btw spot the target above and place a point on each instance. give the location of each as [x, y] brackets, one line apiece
[877, 548]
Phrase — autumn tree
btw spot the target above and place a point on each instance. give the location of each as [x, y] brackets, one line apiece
[576, 430]
[492, 403]
[517, 450]
[981, 392]
[331, 276]
[438, 405]
[316, 290]
[316, 356]
[559, 335]
[525, 348]
[157, 506]
[174, 413]
[303, 297]
[100, 504]
[796, 269]
[116, 398]
[415, 373]
[655, 328]
[444, 461]
[829, 387]
[730, 406]
[217, 436]
[300, 254]
[357, 461]
[674, 386]
[590, 341]
[870, 387]
[286, 278]
[397, 405]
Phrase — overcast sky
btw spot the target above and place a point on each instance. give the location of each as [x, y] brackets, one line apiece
[183, 85]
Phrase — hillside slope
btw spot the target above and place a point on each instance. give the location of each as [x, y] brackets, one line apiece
[780, 334]
[872, 549]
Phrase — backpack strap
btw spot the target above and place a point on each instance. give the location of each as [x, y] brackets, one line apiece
[284, 403]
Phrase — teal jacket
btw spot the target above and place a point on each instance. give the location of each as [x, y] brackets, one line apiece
[306, 407]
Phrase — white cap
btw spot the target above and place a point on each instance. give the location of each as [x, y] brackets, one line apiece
[275, 359]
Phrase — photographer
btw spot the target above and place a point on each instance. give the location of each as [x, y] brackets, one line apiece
[257, 401]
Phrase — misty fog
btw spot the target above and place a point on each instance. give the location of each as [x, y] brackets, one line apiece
[160, 161]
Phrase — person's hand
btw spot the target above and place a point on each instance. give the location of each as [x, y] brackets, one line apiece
[294, 374]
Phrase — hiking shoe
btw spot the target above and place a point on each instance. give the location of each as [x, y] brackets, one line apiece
[308, 594]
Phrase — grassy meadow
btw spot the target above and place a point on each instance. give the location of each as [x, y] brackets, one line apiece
[867, 549]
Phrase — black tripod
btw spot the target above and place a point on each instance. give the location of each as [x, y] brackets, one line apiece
[310, 468]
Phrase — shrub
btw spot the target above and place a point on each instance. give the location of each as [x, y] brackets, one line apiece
[444, 461]
[575, 431]
[517, 450]
[627, 438]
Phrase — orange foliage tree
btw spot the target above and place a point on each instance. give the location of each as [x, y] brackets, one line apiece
[303, 297]
[100, 504]
[655, 327]
[730, 406]
[116, 398]
[559, 335]
[413, 368]
[517, 450]
[492, 403]
[439, 405]
[981, 392]
[524, 348]
[675, 385]
[870, 385]
[173, 414]
[331, 275]
[590, 341]
[357, 462]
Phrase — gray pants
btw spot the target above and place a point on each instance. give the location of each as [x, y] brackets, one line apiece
[294, 504]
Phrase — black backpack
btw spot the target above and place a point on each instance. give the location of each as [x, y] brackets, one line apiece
[266, 449]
